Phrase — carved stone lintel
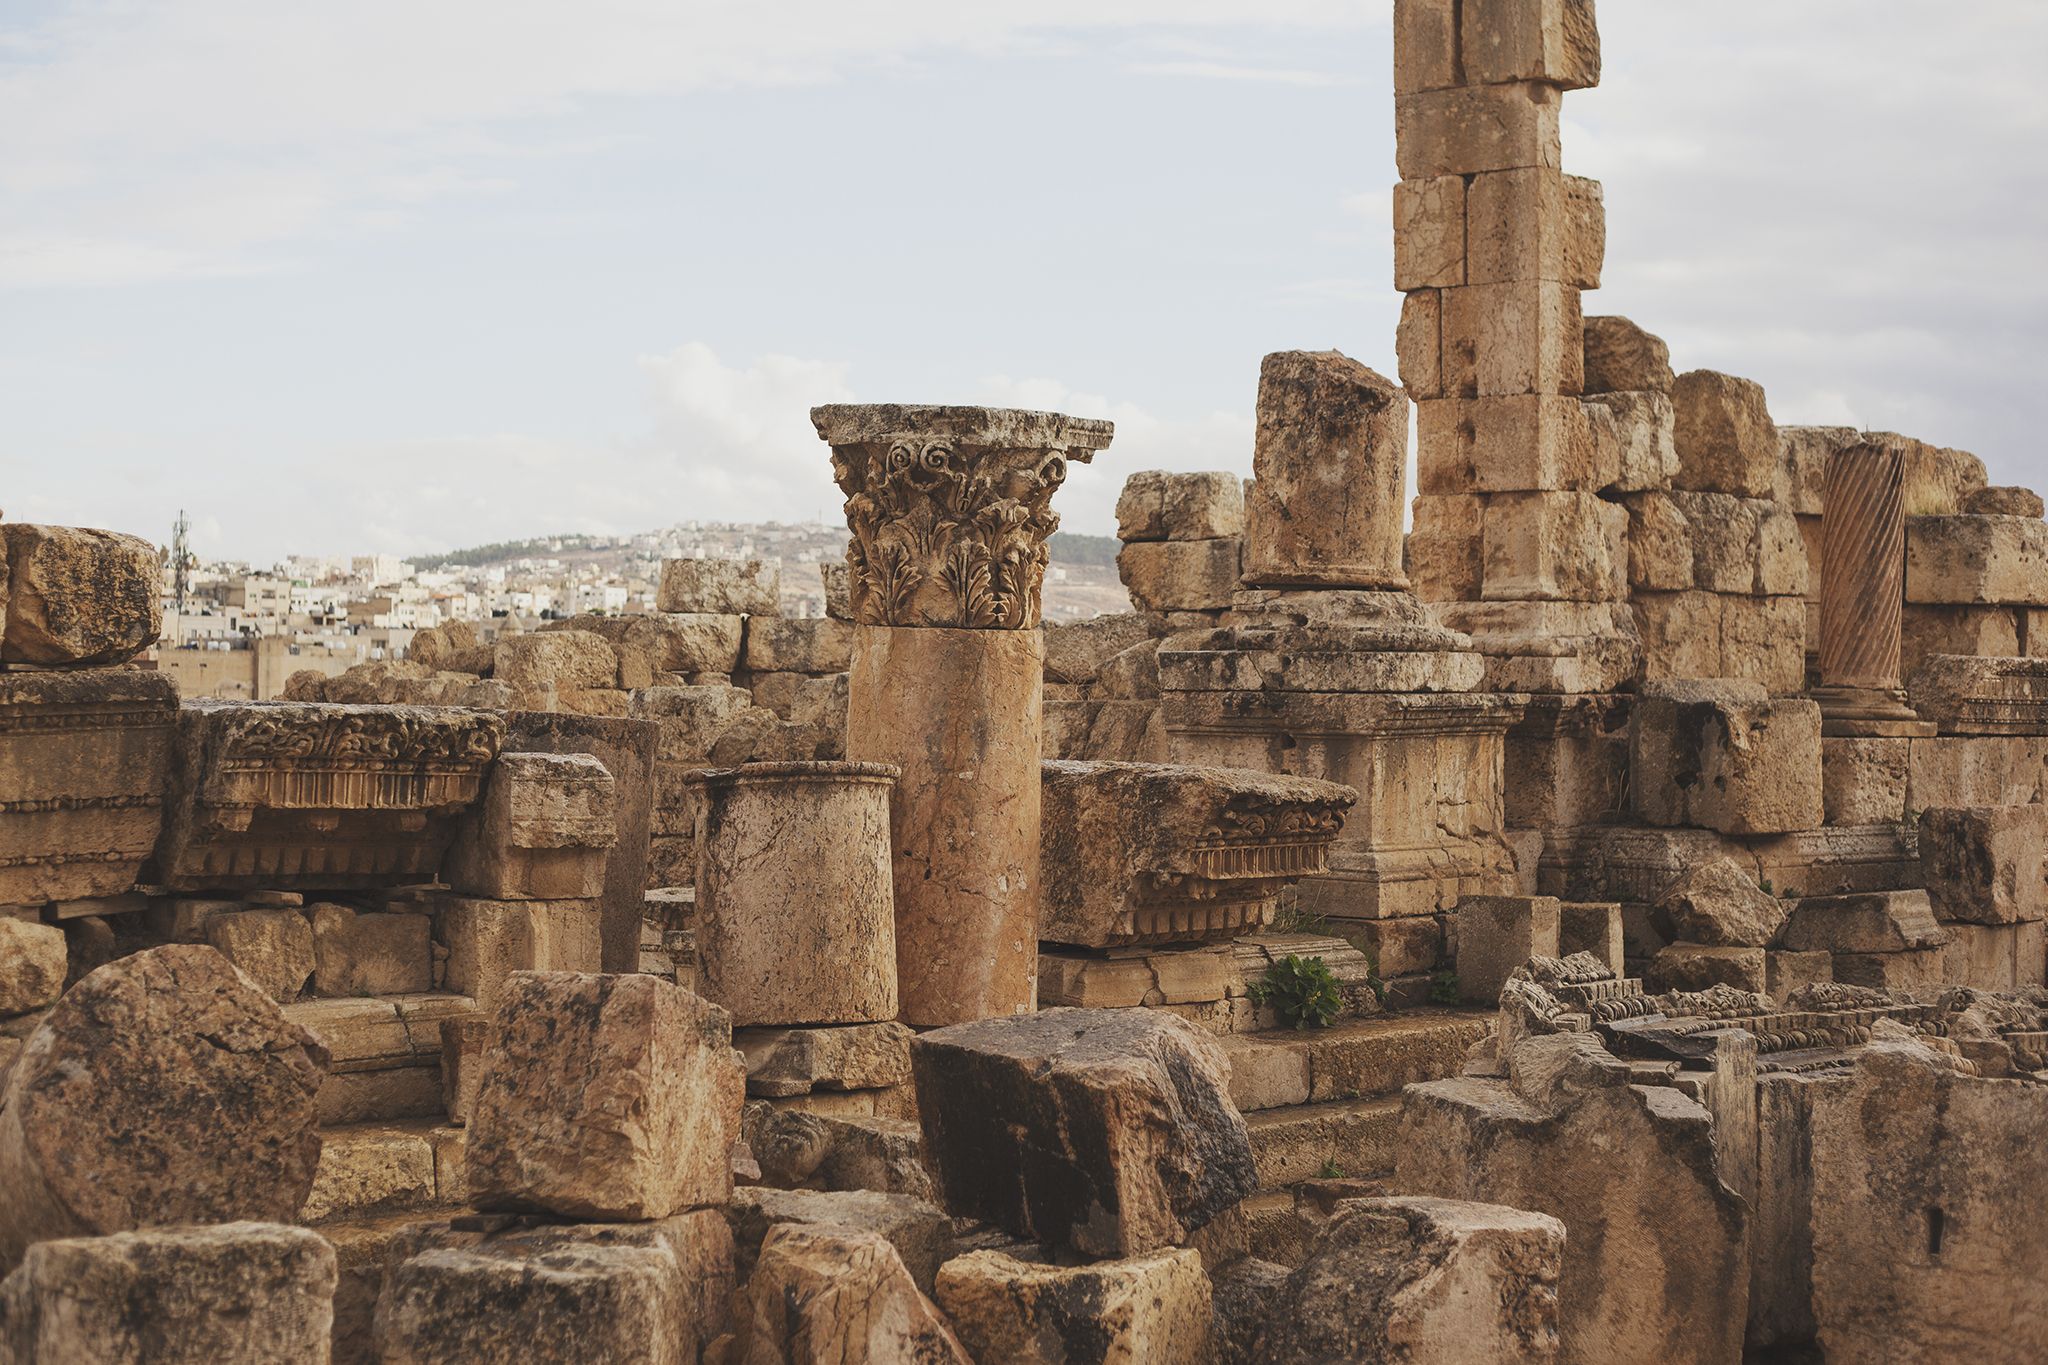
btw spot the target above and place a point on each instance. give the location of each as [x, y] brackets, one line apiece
[950, 508]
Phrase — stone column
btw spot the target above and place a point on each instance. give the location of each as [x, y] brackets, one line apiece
[1863, 591]
[949, 508]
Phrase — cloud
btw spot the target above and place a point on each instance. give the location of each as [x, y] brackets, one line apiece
[1222, 71]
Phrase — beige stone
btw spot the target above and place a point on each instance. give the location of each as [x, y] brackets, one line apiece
[1724, 533]
[921, 1234]
[1660, 543]
[1863, 781]
[1631, 433]
[796, 1061]
[1005, 1104]
[2003, 502]
[1985, 864]
[1425, 45]
[1152, 1308]
[1429, 233]
[964, 817]
[1179, 575]
[1938, 480]
[1421, 1280]
[1418, 344]
[541, 832]
[564, 659]
[488, 940]
[1075, 651]
[1723, 756]
[1594, 928]
[1723, 432]
[725, 587]
[1786, 971]
[1928, 632]
[163, 1088]
[1471, 129]
[1553, 41]
[1557, 547]
[1531, 223]
[827, 1297]
[612, 1097]
[1763, 640]
[1446, 548]
[1718, 903]
[32, 963]
[1526, 336]
[1871, 922]
[77, 597]
[1497, 935]
[1998, 957]
[800, 644]
[1623, 358]
[1782, 567]
[236, 1294]
[274, 948]
[1977, 560]
[1699, 967]
[1802, 469]
[691, 718]
[370, 954]
[1529, 442]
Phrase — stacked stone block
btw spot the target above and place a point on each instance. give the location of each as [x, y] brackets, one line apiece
[1183, 543]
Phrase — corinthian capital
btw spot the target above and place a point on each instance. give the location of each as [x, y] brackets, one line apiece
[950, 508]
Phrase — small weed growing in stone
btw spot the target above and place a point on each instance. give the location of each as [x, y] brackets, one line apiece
[1302, 991]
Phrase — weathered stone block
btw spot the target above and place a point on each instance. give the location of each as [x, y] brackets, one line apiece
[489, 940]
[691, 718]
[1723, 432]
[370, 954]
[76, 597]
[1530, 442]
[32, 963]
[1716, 902]
[1632, 439]
[1531, 223]
[823, 1295]
[1425, 45]
[1803, 462]
[725, 587]
[807, 644]
[1446, 549]
[1157, 504]
[1977, 561]
[1555, 547]
[920, 1233]
[274, 948]
[1180, 575]
[1497, 935]
[1429, 233]
[1522, 337]
[1419, 344]
[796, 1061]
[1722, 756]
[2003, 502]
[1110, 1131]
[1984, 865]
[1930, 632]
[237, 1294]
[1553, 41]
[1994, 957]
[535, 664]
[613, 1097]
[1623, 358]
[541, 832]
[1472, 129]
[1698, 967]
[1786, 971]
[1594, 928]
[1873, 922]
[1151, 1307]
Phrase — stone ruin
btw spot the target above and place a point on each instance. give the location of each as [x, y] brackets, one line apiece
[1602, 923]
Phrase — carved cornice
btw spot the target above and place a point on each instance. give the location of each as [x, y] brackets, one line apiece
[950, 508]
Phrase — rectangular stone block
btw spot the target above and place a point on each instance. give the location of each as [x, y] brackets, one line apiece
[1156, 504]
[1724, 540]
[1700, 967]
[1802, 468]
[1927, 631]
[1660, 544]
[798, 644]
[1418, 344]
[1425, 45]
[1429, 233]
[1763, 640]
[1446, 548]
[1977, 561]
[1985, 864]
[1724, 435]
[1592, 928]
[732, 587]
[1785, 971]
[76, 598]
[1632, 436]
[1722, 756]
[1503, 339]
[1863, 781]
[543, 831]
[1180, 575]
[1532, 223]
[1496, 935]
[370, 954]
[1906, 971]
[1560, 547]
[488, 940]
[1871, 922]
[1401, 947]
[1994, 957]
[1471, 129]
[1553, 41]
[796, 1061]
[1527, 443]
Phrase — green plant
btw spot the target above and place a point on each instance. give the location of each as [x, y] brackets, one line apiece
[1766, 887]
[1443, 988]
[1331, 1170]
[1302, 991]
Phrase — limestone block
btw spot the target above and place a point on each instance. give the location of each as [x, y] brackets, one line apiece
[1132, 675]
[1697, 967]
[1631, 433]
[1151, 1307]
[1723, 432]
[1592, 927]
[1786, 971]
[1984, 864]
[274, 948]
[1724, 540]
[1075, 651]
[564, 659]
[1926, 1243]
[691, 718]
[1179, 575]
[32, 962]
[76, 597]
[2003, 502]
[1763, 640]
[163, 1088]
[1110, 1131]
[1915, 970]
[1655, 1264]
[809, 644]
[1553, 41]
[463, 1041]
[1623, 358]
[1931, 632]
[1403, 947]
[1522, 337]
[1532, 223]
[542, 831]
[838, 591]
[725, 587]
[826, 1297]
[488, 940]
[488, 1289]
[1422, 1280]
[1472, 129]
[1498, 934]
[1429, 233]
[1418, 344]
[611, 1097]
[920, 1234]
[1997, 957]
[796, 1061]
[1716, 902]
[1871, 922]
[370, 954]
[1863, 781]
[1446, 548]
[1525, 443]
[1425, 46]
[1660, 544]
[236, 1294]
[1722, 756]
[1325, 506]
[1157, 504]
[1555, 547]
[1802, 467]
[1976, 561]
[1937, 479]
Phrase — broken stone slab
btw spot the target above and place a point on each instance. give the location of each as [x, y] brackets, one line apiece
[1496, 936]
[494, 1288]
[32, 965]
[274, 948]
[1716, 902]
[739, 587]
[163, 1088]
[1973, 695]
[1723, 756]
[1109, 1131]
[370, 953]
[796, 1061]
[1623, 358]
[604, 1097]
[921, 1234]
[76, 598]
[823, 1295]
[542, 831]
[1873, 922]
[1421, 1280]
[1985, 864]
[1075, 651]
[83, 758]
[1159, 505]
[1153, 1307]
[1179, 575]
[235, 1294]
[1138, 853]
[305, 796]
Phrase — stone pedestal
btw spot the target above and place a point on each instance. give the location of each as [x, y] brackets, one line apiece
[795, 918]
[950, 509]
[1863, 596]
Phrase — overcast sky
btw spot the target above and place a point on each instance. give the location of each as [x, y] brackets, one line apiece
[404, 275]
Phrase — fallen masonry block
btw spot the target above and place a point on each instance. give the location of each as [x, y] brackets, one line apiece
[1109, 1131]
[233, 1294]
[74, 598]
[163, 1088]
[796, 1061]
[741, 587]
[1725, 438]
[1716, 902]
[1623, 358]
[1985, 865]
[1873, 922]
[1496, 935]
[1154, 1308]
[920, 1234]
[822, 1295]
[1157, 505]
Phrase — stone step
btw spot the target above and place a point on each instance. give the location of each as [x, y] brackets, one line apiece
[385, 1054]
[1340, 1138]
[371, 1169]
[1353, 1059]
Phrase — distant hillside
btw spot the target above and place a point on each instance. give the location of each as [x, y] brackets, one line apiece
[507, 551]
[1097, 551]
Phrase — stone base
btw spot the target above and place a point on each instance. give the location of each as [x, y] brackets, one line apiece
[1128, 978]
[1869, 713]
[1551, 647]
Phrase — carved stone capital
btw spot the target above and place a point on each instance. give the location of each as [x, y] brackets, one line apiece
[950, 508]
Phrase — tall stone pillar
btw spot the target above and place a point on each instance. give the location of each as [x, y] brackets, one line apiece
[1863, 593]
[950, 513]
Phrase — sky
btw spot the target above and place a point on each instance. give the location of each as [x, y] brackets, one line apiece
[406, 275]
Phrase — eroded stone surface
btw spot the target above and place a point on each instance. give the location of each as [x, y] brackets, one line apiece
[822, 1296]
[77, 597]
[1153, 1307]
